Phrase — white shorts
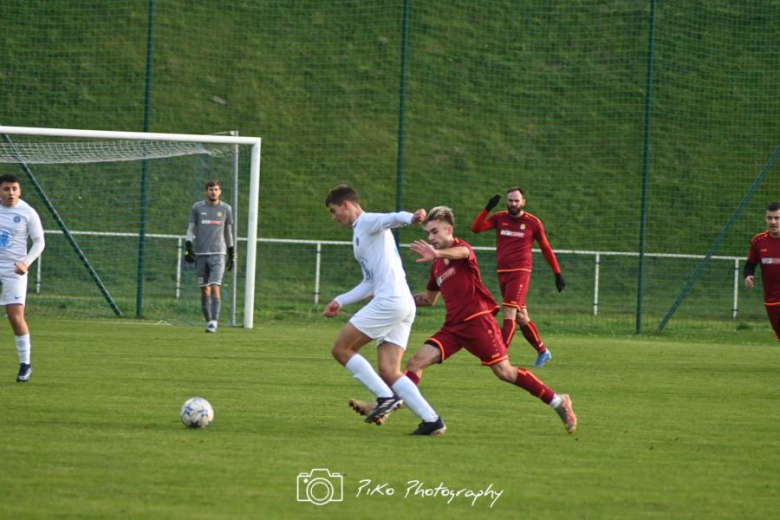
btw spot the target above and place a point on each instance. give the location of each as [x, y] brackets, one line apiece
[386, 320]
[14, 287]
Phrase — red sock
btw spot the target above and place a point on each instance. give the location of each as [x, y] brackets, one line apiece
[531, 384]
[531, 334]
[413, 377]
[508, 331]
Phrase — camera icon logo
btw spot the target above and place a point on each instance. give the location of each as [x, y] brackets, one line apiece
[320, 486]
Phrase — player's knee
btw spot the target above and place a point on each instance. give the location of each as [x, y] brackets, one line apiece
[340, 353]
[509, 313]
[389, 374]
[505, 373]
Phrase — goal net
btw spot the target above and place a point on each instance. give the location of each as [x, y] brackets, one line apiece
[115, 209]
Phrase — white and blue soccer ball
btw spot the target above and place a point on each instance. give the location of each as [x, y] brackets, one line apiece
[196, 413]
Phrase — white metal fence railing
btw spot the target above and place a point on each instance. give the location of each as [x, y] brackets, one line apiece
[317, 244]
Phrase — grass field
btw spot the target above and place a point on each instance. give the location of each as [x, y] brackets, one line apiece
[670, 427]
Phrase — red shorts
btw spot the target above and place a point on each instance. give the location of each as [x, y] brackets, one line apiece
[773, 311]
[480, 336]
[514, 286]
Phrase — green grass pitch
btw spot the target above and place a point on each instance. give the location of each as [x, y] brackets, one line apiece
[670, 427]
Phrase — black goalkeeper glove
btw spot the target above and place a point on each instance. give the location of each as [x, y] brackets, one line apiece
[493, 202]
[231, 258]
[560, 283]
[189, 254]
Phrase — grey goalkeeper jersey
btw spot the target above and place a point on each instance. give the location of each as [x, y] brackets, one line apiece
[213, 228]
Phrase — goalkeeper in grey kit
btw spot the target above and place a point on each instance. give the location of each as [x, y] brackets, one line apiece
[210, 246]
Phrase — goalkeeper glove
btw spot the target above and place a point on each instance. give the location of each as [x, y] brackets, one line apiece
[231, 258]
[189, 254]
[492, 202]
[560, 283]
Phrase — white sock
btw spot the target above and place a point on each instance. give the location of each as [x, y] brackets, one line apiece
[556, 401]
[23, 348]
[364, 372]
[412, 397]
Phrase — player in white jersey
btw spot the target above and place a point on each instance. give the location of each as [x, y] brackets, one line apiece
[18, 221]
[387, 319]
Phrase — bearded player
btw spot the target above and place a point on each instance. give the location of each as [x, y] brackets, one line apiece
[516, 231]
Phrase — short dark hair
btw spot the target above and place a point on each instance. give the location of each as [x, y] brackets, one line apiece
[339, 194]
[211, 183]
[9, 177]
[773, 206]
[516, 188]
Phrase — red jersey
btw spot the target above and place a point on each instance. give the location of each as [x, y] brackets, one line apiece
[765, 251]
[514, 239]
[460, 283]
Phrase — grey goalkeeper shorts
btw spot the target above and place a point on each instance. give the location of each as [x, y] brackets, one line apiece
[210, 269]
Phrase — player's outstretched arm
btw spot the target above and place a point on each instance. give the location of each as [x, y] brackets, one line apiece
[419, 216]
[378, 222]
[424, 250]
[428, 253]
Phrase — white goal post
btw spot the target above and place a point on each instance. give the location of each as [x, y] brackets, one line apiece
[254, 182]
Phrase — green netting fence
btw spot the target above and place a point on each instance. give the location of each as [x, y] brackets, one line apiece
[417, 104]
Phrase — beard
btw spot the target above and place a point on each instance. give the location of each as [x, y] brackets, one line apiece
[514, 211]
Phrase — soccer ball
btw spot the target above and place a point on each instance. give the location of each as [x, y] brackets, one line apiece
[196, 413]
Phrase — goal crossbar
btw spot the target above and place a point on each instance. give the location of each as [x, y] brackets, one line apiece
[254, 181]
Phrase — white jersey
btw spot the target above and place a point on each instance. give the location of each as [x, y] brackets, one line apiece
[377, 254]
[17, 223]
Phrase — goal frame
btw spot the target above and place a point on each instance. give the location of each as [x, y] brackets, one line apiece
[254, 182]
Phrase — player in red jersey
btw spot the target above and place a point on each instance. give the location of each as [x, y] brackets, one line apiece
[469, 322]
[765, 249]
[516, 231]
